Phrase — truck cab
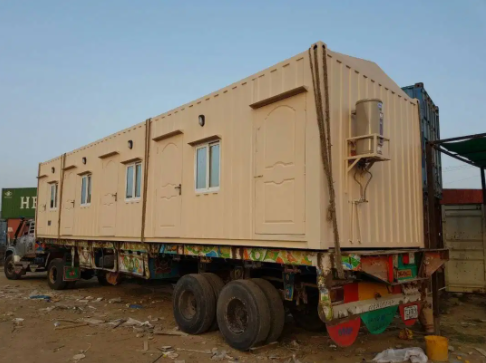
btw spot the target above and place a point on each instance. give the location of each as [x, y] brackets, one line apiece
[21, 253]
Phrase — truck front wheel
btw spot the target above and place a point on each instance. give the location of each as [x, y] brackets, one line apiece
[55, 273]
[10, 268]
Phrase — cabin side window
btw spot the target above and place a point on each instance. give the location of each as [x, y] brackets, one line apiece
[53, 201]
[207, 168]
[86, 190]
[134, 181]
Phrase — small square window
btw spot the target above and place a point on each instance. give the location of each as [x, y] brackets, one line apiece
[208, 167]
[134, 181]
[86, 190]
[53, 201]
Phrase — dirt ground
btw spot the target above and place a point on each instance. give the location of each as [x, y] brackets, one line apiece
[53, 331]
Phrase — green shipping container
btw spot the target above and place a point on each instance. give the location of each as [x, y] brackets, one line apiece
[19, 203]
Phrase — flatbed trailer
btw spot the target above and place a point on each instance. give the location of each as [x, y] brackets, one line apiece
[298, 188]
[377, 285]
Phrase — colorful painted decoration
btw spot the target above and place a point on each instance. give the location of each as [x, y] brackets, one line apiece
[344, 334]
[409, 313]
[279, 256]
[71, 273]
[378, 320]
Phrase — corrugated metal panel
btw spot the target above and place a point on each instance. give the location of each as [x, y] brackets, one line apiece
[19, 202]
[393, 214]
[464, 235]
[462, 196]
[430, 130]
[267, 128]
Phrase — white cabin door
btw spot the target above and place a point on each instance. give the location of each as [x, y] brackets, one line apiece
[109, 198]
[168, 187]
[279, 173]
[67, 213]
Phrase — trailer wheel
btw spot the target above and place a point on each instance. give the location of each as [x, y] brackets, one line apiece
[217, 284]
[9, 269]
[277, 310]
[243, 314]
[55, 274]
[194, 304]
[87, 274]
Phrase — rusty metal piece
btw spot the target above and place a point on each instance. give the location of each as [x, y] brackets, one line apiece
[324, 284]
[113, 278]
[376, 266]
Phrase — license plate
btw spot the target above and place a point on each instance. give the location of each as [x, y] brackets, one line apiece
[410, 312]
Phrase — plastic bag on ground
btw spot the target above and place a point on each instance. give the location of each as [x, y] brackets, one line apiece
[414, 355]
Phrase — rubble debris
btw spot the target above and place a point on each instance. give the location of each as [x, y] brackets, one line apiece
[18, 321]
[134, 306]
[40, 297]
[169, 332]
[482, 351]
[405, 334]
[207, 351]
[91, 321]
[70, 326]
[78, 357]
[132, 322]
[415, 355]
[220, 356]
[116, 300]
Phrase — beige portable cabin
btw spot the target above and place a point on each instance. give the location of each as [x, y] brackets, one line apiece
[242, 166]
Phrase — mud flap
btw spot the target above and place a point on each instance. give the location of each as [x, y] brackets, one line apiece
[344, 334]
[71, 273]
[378, 320]
[409, 313]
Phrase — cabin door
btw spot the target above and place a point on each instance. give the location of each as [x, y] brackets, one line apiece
[168, 187]
[279, 167]
[67, 213]
[109, 198]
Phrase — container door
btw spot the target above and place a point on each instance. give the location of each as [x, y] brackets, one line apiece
[109, 198]
[42, 200]
[67, 213]
[168, 187]
[465, 237]
[279, 174]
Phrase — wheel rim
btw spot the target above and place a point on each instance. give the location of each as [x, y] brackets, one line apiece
[237, 315]
[53, 274]
[188, 304]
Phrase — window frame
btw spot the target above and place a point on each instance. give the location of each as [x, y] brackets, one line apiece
[134, 164]
[56, 187]
[88, 187]
[207, 189]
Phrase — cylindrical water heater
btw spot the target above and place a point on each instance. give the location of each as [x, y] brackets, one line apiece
[369, 120]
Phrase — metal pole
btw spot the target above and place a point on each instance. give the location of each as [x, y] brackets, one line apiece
[483, 185]
[433, 232]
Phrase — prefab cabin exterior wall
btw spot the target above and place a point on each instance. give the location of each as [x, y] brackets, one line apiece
[270, 190]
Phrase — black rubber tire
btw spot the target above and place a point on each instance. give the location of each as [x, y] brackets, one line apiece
[217, 284]
[87, 274]
[277, 309]
[55, 273]
[243, 314]
[9, 269]
[101, 275]
[194, 304]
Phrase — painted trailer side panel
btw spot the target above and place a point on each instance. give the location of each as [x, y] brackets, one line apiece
[272, 191]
